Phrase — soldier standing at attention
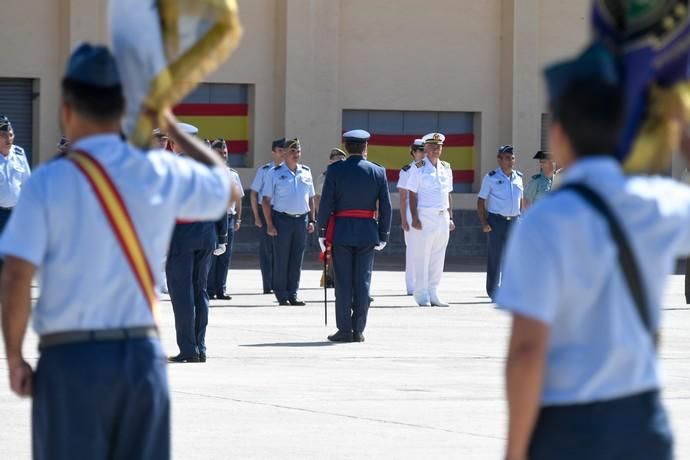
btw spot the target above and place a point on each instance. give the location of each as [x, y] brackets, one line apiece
[14, 171]
[499, 205]
[541, 183]
[101, 389]
[256, 200]
[417, 154]
[353, 190]
[288, 206]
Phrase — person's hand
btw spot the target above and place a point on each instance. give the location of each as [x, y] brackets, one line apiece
[310, 227]
[405, 226]
[238, 223]
[272, 231]
[486, 228]
[380, 246]
[322, 244]
[416, 223]
[257, 221]
[220, 250]
[21, 378]
[451, 226]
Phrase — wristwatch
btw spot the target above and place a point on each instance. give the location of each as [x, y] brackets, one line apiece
[313, 222]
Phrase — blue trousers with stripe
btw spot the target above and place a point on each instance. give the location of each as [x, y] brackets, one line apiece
[102, 400]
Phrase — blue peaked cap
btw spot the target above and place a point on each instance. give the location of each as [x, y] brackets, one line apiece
[594, 63]
[93, 65]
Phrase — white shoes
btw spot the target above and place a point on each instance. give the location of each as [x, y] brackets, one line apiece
[436, 302]
[422, 300]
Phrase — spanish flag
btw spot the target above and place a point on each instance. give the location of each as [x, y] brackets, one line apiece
[225, 121]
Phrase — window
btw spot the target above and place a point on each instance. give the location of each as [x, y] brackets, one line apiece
[392, 133]
[220, 110]
[16, 102]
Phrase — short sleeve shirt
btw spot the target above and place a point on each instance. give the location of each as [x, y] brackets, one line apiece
[432, 184]
[289, 190]
[260, 178]
[236, 181]
[14, 172]
[502, 193]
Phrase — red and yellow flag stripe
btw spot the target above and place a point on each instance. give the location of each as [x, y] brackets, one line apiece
[226, 121]
[120, 221]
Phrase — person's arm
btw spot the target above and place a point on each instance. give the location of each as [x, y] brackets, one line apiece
[412, 187]
[311, 224]
[385, 209]
[15, 299]
[191, 146]
[524, 382]
[416, 223]
[266, 208]
[481, 212]
[255, 208]
[403, 209]
[238, 206]
[450, 210]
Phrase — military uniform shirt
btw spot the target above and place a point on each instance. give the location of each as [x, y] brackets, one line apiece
[235, 179]
[402, 184]
[598, 348]
[260, 179]
[431, 184]
[60, 227]
[289, 191]
[14, 171]
[539, 186]
[502, 193]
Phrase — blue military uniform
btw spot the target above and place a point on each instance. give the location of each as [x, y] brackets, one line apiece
[354, 185]
[503, 197]
[14, 171]
[290, 193]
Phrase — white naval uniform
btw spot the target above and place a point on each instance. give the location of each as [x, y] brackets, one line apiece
[409, 252]
[432, 186]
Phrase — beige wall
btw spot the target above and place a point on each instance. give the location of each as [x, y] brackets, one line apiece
[309, 59]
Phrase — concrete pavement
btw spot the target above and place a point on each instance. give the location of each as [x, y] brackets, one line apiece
[427, 383]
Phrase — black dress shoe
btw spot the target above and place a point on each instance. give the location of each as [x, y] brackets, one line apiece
[183, 359]
[202, 356]
[341, 336]
[268, 291]
[296, 302]
[223, 297]
[357, 337]
[283, 302]
[211, 296]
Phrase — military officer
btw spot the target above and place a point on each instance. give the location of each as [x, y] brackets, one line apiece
[430, 186]
[288, 206]
[541, 183]
[417, 154]
[102, 388]
[218, 275]
[352, 192]
[499, 204]
[14, 171]
[256, 200]
[192, 247]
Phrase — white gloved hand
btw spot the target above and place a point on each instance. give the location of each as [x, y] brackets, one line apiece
[380, 246]
[322, 243]
[220, 250]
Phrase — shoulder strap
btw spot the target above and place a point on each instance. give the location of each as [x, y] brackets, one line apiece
[120, 221]
[626, 256]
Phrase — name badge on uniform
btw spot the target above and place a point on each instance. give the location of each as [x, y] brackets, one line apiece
[282, 177]
[500, 182]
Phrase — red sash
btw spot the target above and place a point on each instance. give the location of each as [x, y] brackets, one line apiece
[330, 228]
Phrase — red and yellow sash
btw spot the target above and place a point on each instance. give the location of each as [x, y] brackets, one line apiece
[120, 221]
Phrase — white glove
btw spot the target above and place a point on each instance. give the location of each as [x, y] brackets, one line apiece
[380, 246]
[220, 250]
[322, 243]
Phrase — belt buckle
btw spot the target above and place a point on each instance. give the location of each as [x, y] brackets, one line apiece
[508, 218]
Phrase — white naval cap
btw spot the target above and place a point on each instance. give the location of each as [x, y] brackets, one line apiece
[418, 143]
[189, 129]
[434, 138]
[356, 135]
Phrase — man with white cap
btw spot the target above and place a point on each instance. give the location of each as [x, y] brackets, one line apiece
[430, 185]
[417, 154]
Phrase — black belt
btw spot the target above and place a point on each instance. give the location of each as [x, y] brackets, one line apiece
[97, 335]
[500, 216]
[294, 216]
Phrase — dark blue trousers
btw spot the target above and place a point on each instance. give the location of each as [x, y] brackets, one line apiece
[497, 237]
[187, 273]
[631, 428]
[352, 266]
[102, 400]
[218, 274]
[265, 255]
[288, 254]
[4, 217]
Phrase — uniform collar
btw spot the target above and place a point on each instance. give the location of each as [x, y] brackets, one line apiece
[500, 171]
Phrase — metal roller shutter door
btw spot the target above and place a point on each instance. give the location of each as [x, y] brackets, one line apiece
[17, 104]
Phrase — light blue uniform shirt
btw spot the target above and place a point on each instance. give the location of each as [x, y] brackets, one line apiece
[598, 348]
[289, 191]
[14, 171]
[59, 226]
[260, 179]
[503, 194]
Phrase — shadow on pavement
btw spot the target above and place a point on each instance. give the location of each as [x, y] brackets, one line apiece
[290, 344]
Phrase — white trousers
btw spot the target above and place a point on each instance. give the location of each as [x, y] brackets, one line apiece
[409, 259]
[429, 249]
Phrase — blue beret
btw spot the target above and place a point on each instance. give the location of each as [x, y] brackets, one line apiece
[93, 65]
[595, 63]
[5, 124]
[278, 144]
[356, 135]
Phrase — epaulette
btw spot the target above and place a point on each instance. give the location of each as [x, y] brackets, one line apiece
[18, 150]
[519, 173]
[406, 167]
[277, 167]
[266, 166]
[536, 176]
[445, 163]
[306, 167]
[492, 173]
[233, 170]
[419, 164]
